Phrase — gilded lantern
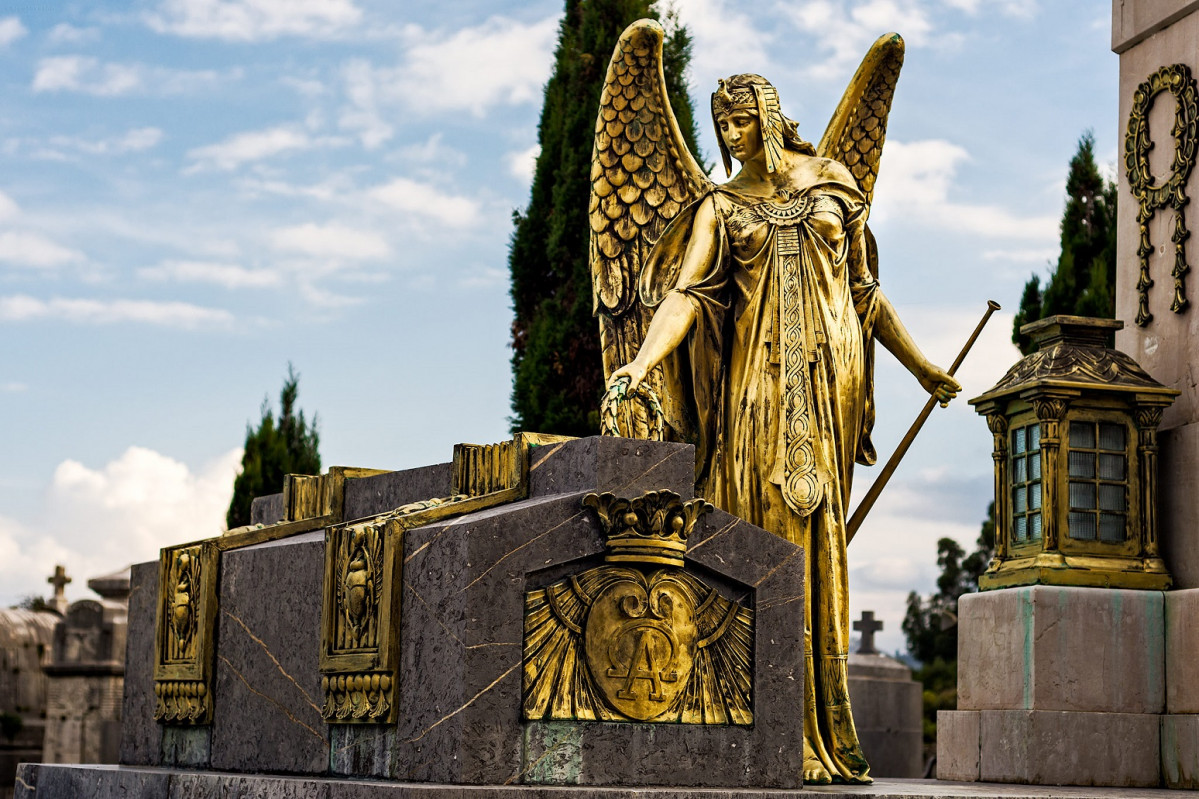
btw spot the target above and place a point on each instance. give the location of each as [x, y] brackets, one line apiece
[1075, 451]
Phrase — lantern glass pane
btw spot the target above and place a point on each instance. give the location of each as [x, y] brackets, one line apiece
[1035, 521]
[1111, 527]
[1020, 499]
[1111, 467]
[1021, 474]
[1082, 435]
[1082, 464]
[1082, 526]
[1034, 500]
[1018, 440]
[1034, 436]
[1111, 437]
[1034, 462]
[1082, 496]
[1021, 531]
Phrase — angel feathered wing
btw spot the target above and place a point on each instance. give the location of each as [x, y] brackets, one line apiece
[642, 176]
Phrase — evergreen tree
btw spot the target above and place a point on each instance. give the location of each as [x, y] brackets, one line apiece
[1084, 280]
[556, 365]
[287, 445]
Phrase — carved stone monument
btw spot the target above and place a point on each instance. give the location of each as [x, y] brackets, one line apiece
[560, 612]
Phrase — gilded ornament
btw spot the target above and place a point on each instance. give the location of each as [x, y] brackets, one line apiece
[639, 638]
[184, 632]
[749, 311]
[1152, 193]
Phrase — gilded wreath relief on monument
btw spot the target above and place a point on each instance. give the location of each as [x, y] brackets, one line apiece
[742, 317]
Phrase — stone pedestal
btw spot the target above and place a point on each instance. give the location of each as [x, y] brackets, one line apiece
[1058, 686]
[888, 713]
[464, 588]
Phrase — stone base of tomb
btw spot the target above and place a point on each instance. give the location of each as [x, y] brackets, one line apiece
[1075, 686]
[128, 782]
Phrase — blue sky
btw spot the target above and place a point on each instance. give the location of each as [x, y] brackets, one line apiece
[195, 192]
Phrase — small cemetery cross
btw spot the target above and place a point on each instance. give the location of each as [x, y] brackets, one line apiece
[867, 626]
[59, 581]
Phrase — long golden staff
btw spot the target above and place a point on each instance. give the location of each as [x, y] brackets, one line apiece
[859, 515]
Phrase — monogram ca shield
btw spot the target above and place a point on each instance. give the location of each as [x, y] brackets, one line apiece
[640, 641]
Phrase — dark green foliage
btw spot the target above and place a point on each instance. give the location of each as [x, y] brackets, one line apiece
[557, 371]
[931, 625]
[1084, 281]
[288, 445]
[35, 603]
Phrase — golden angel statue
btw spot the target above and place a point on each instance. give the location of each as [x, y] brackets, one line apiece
[751, 308]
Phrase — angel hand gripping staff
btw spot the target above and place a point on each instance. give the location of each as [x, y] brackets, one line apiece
[750, 309]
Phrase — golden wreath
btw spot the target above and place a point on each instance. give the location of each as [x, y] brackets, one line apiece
[617, 393]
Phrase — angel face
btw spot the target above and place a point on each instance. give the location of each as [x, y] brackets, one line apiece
[742, 134]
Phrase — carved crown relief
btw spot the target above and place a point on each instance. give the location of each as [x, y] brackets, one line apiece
[639, 638]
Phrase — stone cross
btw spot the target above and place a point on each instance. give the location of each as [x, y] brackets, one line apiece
[59, 581]
[867, 626]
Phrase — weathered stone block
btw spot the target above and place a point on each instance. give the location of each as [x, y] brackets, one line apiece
[366, 496]
[141, 737]
[1062, 648]
[461, 654]
[958, 738]
[624, 466]
[888, 714]
[1180, 751]
[1178, 512]
[266, 715]
[1182, 651]
[266, 510]
[1042, 747]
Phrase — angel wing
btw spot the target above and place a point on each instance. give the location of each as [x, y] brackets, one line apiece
[858, 128]
[642, 176]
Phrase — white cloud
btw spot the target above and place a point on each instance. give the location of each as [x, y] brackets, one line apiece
[483, 277]
[846, 30]
[25, 248]
[254, 20]
[724, 35]
[11, 29]
[8, 207]
[135, 140]
[522, 163]
[97, 521]
[333, 241]
[1035, 255]
[254, 145]
[64, 33]
[230, 276]
[423, 199]
[501, 61]
[22, 308]
[362, 115]
[13, 387]
[914, 184]
[76, 73]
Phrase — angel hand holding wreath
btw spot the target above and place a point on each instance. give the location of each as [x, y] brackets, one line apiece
[751, 309]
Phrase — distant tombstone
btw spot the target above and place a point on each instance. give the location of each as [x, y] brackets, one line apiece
[887, 707]
[59, 580]
[25, 639]
[86, 676]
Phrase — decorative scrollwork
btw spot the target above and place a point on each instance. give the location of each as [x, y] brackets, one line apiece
[1153, 193]
[184, 633]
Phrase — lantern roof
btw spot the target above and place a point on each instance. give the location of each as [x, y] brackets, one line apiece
[1073, 354]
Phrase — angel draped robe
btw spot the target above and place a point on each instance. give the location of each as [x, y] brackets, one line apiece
[775, 384]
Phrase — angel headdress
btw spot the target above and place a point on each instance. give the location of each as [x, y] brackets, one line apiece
[643, 176]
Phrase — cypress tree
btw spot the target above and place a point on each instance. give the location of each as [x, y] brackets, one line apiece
[277, 447]
[1084, 280]
[556, 364]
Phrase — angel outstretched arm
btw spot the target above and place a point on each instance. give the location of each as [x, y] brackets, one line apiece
[676, 314]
